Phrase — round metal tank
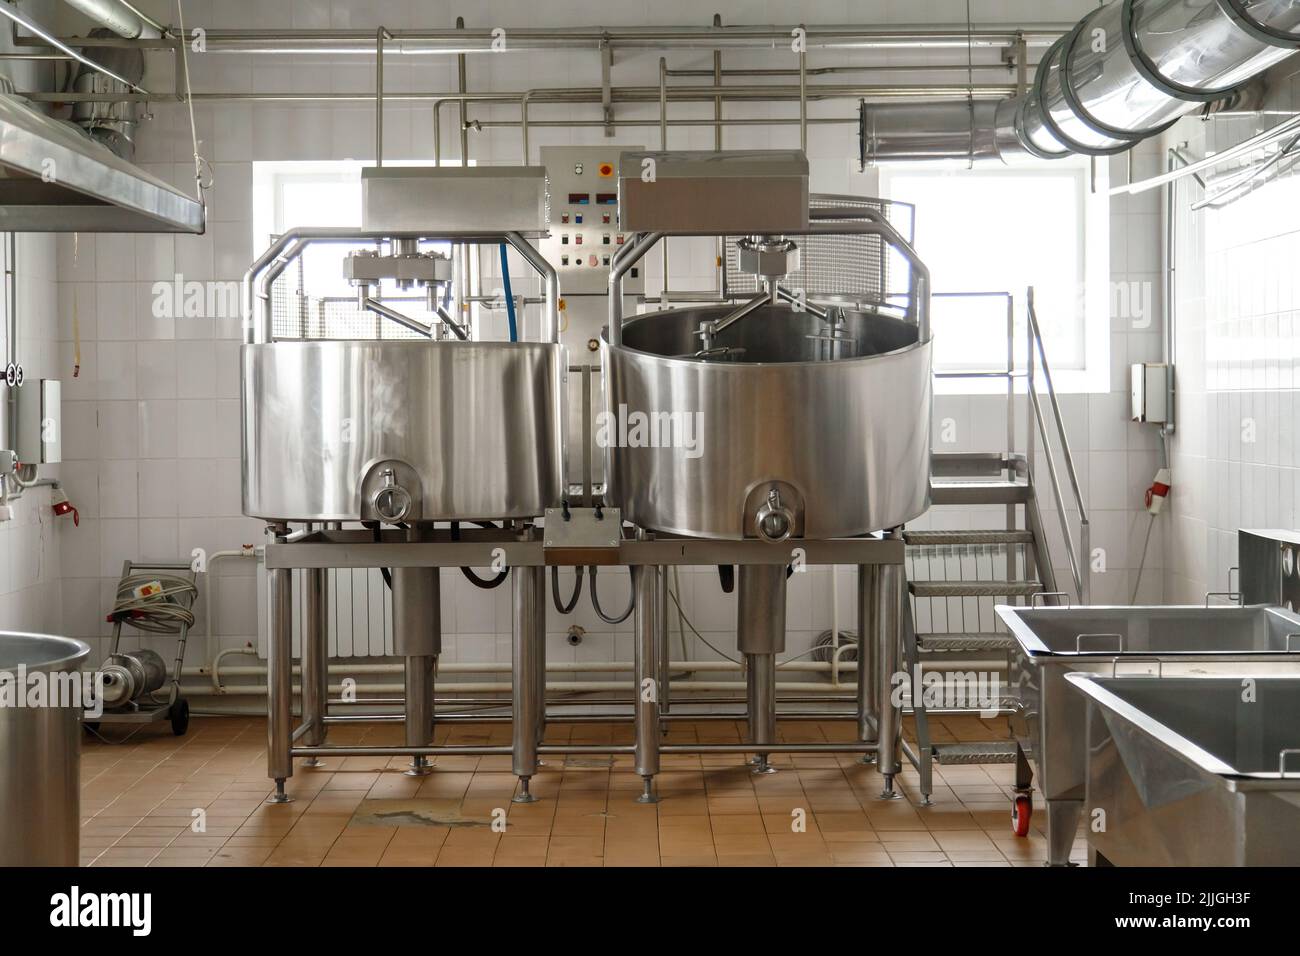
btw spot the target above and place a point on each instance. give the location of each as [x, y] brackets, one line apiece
[844, 442]
[40, 750]
[401, 430]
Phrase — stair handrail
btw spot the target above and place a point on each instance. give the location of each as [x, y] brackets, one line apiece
[1080, 555]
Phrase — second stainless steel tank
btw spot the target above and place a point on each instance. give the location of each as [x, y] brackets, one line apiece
[834, 419]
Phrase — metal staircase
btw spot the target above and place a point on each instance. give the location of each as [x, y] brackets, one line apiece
[956, 576]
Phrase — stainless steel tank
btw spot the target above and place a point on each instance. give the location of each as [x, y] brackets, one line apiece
[401, 430]
[843, 441]
[40, 749]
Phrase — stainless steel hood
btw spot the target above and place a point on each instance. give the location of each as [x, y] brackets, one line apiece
[53, 178]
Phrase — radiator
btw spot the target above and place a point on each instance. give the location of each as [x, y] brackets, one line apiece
[358, 617]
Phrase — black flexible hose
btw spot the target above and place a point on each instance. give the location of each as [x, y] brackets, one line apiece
[595, 601]
[487, 584]
[555, 590]
[375, 530]
[727, 577]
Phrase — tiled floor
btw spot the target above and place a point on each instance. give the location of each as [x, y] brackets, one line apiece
[141, 801]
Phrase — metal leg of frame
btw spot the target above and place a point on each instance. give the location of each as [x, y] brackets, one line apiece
[889, 604]
[315, 655]
[542, 600]
[645, 585]
[661, 628]
[760, 636]
[868, 652]
[525, 684]
[279, 667]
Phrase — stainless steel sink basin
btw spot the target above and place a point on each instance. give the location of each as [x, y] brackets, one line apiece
[1055, 641]
[1193, 771]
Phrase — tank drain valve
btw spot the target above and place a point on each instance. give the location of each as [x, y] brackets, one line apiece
[392, 502]
[774, 520]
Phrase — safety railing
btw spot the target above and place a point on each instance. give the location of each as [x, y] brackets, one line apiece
[1078, 547]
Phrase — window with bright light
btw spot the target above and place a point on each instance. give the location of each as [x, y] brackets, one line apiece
[1001, 230]
[288, 195]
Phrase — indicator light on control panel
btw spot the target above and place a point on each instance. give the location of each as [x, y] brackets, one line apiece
[605, 239]
[604, 260]
[577, 240]
[577, 217]
[564, 260]
[605, 218]
[564, 239]
[618, 241]
[564, 217]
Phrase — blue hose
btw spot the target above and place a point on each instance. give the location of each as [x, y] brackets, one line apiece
[510, 299]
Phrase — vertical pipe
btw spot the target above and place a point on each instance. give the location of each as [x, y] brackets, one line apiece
[538, 575]
[379, 95]
[417, 637]
[717, 145]
[663, 144]
[662, 652]
[889, 607]
[760, 690]
[279, 676]
[760, 636]
[803, 100]
[462, 88]
[647, 687]
[1011, 429]
[315, 676]
[419, 686]
[867, 652]
[524, 682]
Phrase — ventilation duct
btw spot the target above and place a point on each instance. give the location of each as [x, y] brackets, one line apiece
[112, 124]
[1125, 72]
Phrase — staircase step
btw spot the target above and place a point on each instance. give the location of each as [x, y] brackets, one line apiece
[979, 492]
[967, 537]
[992, 751]
[965, 642]
[928, 589]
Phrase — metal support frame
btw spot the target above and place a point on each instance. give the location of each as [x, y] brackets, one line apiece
[879, 559]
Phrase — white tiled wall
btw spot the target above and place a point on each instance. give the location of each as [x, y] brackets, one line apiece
[152, 435]
[1236, 453]
[30, 591]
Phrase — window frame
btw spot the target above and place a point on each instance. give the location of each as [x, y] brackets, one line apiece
[1095, 287]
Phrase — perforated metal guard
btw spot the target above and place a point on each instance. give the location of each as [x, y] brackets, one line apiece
[295, 315]
[857, 267]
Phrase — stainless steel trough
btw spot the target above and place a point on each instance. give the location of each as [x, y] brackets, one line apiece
[1055, 641]
[1193, 771]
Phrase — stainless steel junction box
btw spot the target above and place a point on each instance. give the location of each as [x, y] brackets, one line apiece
[705, 193]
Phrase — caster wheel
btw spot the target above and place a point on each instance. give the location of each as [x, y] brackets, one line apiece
[180, 717]
[1021, 811]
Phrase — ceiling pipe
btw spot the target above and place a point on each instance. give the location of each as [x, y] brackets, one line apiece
[482, 40]
[1125, 72]
[122, 18]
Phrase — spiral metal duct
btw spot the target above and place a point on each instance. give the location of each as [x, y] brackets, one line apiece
[1125, 72]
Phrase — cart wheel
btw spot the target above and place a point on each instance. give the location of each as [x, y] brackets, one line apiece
[180, 716]
[1021, 810]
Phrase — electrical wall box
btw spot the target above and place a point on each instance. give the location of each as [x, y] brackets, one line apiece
[1269, 567]
[454, 200]
[39, 418]
[734, 192]
[1150, 383]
